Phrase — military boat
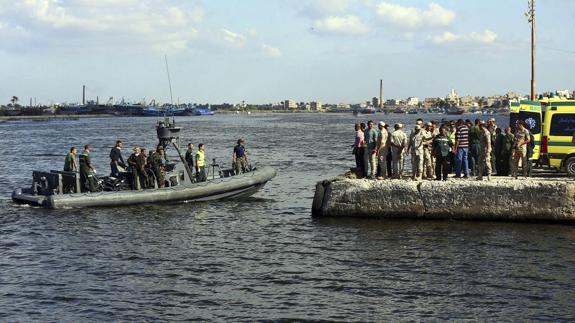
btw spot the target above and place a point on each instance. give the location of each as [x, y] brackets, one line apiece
[60, 189]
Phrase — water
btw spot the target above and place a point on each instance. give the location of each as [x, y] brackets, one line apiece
[265, 258]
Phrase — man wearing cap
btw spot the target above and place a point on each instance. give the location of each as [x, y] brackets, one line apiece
[485, 153]
[522, 138]
[398, 144]
[370, 156]
[428, 161]
[383, 143]
[415, 146]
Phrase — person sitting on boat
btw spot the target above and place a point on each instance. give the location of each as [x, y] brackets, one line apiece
[116, 160]
[86, 171]
[136, 168]
[156, 163]
[240, 158]
[190, 156]
[70, 161]
[201, 164]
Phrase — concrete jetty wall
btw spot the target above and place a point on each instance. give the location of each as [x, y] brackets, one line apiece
[500, 199]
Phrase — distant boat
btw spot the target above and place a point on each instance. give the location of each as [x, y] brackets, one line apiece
[454, 111]
[412, 111]
[169, 111]
[200, 112]
[399, 110]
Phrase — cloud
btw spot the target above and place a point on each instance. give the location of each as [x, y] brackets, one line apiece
[232, 38]
[342, 25]
[413, 18]
[485, 37]
[154, 23]
[271, 51]
[325, 8]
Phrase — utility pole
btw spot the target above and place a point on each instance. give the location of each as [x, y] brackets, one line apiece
[530, 14]
[380, 94]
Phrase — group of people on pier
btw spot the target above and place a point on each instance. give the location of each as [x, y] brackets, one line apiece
[437, 149]
[147, 169]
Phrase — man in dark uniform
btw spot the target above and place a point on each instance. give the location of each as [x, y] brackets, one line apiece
[144, 179]
[240, 158]
[116, 159]
[86, 169]
[136, 167]
[190, 156]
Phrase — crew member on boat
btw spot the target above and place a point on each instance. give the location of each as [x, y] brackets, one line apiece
[116, 159]
[70, 161]
[155, 161]
[189, 157]
[201, 163]
[86, 169]
[136, 168]
[240, 158]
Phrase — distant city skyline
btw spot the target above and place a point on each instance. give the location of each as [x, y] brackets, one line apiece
[262, 51]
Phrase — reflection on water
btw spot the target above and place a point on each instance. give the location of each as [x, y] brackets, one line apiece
[263, 258]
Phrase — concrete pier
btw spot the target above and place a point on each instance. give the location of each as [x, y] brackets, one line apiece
[500, 199]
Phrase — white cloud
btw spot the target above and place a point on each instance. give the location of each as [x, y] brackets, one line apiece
[233, 38]
[271, 51]
[343, 25]
[325, 8]
[484, 37]
[125, 22]
[413, 18]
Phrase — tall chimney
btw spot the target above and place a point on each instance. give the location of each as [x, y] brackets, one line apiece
[381, 94]
[83, 95]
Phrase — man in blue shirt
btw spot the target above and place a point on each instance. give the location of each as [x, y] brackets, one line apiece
[370, 155]
[240, 158]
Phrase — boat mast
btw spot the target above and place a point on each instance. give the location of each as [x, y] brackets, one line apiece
[169, 79]
[531, 18]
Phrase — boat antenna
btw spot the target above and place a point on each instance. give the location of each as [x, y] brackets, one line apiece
[169, 80]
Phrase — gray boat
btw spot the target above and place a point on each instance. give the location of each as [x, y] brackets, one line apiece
[59, 189]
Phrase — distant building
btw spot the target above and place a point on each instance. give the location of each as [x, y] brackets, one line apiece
[452, 98]
[467, 100]
[513, 95]
[563, 93]
[315, 106]
[430, 102]
[412, 101]
[290, 105]
[375, 102]
[392, 102]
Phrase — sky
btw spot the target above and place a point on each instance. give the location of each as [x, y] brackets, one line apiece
[261, 51]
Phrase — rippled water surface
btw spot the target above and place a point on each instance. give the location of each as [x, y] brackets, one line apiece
[264, 258]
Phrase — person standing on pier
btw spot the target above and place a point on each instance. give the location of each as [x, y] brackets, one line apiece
[522, 138]
[474, 147]
[116, 159]
[70, 161]
[358, 147]
[484, 166]
[441, 148]
[369, 155]
[398, 144]
[415, 146]
[461, 149]
[383, 143]
[428, 162]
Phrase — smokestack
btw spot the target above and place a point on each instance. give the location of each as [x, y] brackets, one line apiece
[381, 94]
[83, 95]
